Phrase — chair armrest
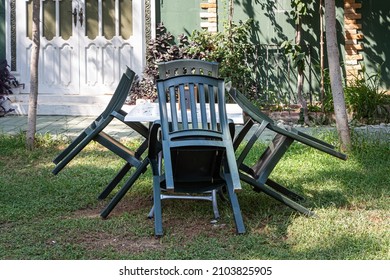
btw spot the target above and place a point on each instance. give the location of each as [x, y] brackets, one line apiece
[154, 143]
[232, 128]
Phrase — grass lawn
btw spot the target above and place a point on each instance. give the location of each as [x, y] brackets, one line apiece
[43, 216]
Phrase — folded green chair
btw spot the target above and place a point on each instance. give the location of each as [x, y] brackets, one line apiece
[94, 132]
[196, 143]
[258, 174]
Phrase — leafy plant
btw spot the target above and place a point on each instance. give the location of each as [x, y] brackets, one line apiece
[296, 54]
[162, 48]
[7, 81]
[365, 100]
[231, 48]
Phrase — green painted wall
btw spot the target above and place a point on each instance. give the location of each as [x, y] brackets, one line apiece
[376, 30]
[272, 25]
[179, 17]
[2, 30]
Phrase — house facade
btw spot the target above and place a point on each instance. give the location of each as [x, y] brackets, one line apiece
[85, 47]
[363, 26]
[86, 44]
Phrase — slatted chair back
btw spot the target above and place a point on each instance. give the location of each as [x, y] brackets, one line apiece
[120, 94]
[196, 143]
[187, 67]
[194, 124]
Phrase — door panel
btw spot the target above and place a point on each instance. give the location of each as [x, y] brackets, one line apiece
[58, 58]
[104, 52]
[49, 19]
[85, 44]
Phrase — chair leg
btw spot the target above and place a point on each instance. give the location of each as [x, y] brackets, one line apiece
[283, 190]
[121, 193]
[115, 181]
[273, 193]
[151, 213]
[215, 204]
[68, 149]
[240, 227]
[158, 230]
[72, 154]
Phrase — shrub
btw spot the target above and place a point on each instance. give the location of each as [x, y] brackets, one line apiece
[162, 48]
[365, 100]
[230, 49]
[7, 81]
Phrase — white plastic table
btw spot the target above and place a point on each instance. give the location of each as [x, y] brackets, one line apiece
[149, 112]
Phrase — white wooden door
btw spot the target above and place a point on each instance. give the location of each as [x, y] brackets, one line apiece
[85, 44]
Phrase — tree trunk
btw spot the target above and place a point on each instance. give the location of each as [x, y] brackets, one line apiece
[33, 97]
[322, 95]
[335, 76]
[301, 77]
[231, 13]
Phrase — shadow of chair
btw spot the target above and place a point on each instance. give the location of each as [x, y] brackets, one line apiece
[94, 132]
[196, 144]
[258, 175]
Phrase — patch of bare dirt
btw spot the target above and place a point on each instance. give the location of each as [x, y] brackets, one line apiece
[123, 243]
[189, 229]
[177, 223]
[126, 205]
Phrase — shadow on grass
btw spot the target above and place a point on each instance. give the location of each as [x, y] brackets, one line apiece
[39, 208]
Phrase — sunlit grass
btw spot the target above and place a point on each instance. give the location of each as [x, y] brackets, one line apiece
[43, 216]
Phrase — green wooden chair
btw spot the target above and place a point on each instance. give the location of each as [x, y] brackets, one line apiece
[258, 174]
[94, 132]
[196, 143]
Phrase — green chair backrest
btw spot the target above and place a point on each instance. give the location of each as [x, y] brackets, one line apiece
[248, 107]
[187, 67]
[121, 92]
[196, 132]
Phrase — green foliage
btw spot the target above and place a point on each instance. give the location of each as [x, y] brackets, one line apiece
[296, 54]
[162, 48]
[7, 80]
[365, 100]
[231, 48]
[299, 9]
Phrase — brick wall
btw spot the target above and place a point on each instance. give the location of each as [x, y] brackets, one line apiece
[209, 16]
[353, 35]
